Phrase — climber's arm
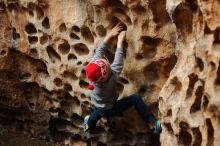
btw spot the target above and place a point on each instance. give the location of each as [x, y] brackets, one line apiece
[100, 50]
[104, 45]
[117, 64]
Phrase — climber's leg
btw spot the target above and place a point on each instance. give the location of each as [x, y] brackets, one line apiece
[132, 100]
[91, 120]
[142, 109]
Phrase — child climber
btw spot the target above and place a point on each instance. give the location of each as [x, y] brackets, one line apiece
[103, 78]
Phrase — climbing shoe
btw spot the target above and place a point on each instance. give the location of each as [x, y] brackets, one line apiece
[157, 127]
[86, 126]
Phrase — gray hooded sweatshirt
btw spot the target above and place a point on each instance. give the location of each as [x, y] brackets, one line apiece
[104, 94]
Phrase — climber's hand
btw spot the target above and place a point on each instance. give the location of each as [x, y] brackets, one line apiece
[113, 33]
[121, 38]
[116, 30]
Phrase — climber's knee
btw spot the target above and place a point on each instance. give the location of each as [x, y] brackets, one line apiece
[136, 97]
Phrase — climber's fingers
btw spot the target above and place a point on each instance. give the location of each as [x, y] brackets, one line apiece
[120, 28]
[118, 24]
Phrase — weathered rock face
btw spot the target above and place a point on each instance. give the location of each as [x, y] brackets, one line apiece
[172, 58]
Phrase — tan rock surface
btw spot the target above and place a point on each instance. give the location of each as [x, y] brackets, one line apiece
[172, 58]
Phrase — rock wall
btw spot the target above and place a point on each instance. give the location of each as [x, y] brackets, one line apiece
[171, 58]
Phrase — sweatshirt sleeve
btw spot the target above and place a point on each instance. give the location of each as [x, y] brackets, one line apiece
[100, 51]
[117, 64]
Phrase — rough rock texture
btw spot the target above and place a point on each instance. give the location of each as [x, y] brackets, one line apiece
[172, 58]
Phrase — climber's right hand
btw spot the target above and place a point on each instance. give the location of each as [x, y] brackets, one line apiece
[121, 38]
